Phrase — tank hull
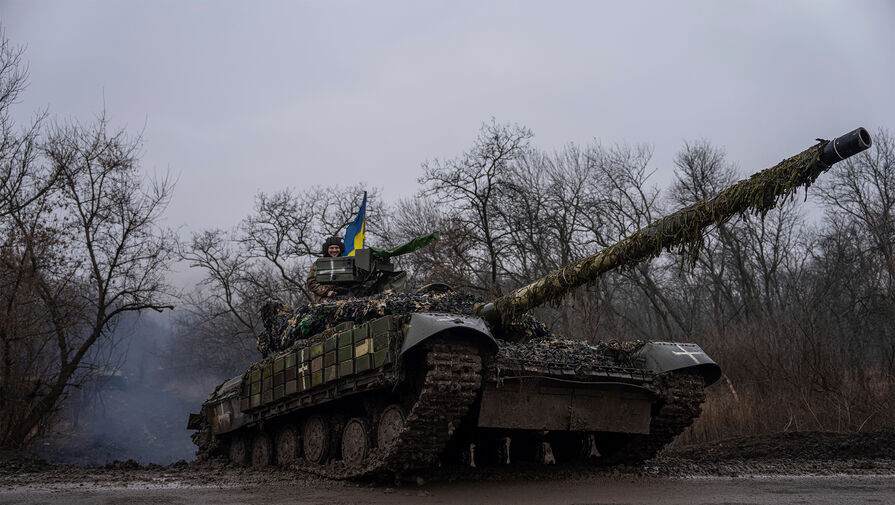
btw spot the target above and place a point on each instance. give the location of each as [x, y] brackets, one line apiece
[440, 388]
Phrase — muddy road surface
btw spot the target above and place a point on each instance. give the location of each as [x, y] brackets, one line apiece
[619, 489]
[753, 490]
[786, 468]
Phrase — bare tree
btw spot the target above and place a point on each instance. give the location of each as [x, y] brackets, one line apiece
[88, 251]
[79, 247]
[23, 179]
[450, 260]
[859, 233]
[264, 258]
[286, 229]
[469, 187]
[861, 192]
[548, 206]
[627, 200]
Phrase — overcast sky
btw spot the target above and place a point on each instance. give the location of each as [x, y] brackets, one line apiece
[239, 97]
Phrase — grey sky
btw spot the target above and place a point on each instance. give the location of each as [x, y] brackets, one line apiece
[241, 97]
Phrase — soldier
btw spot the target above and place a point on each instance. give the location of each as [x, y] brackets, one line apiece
[333, 247]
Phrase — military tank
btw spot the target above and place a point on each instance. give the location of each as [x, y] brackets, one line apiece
[378, 383]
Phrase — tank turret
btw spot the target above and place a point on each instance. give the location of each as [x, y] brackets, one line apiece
[368, 270]
[363, 274]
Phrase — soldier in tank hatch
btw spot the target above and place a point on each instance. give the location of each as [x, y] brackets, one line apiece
[333, 247]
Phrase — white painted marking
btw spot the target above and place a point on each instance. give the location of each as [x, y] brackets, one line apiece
[687, 353]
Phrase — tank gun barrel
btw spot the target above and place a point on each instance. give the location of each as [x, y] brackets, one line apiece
[758, 194]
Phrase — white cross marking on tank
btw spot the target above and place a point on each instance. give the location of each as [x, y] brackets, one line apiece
[687, 353]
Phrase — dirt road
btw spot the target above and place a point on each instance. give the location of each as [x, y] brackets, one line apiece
[837, 489]
[803, 468]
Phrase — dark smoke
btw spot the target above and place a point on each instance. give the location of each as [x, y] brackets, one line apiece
[134, 408]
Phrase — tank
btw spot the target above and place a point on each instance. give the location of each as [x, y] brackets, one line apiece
[379, 382]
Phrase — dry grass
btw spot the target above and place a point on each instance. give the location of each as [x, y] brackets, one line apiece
[860, 401]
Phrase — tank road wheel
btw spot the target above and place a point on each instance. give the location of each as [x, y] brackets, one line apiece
[287, 445]
[316, 439]
[262, 450]
[391, 424]
[355, 442]
[238, 452]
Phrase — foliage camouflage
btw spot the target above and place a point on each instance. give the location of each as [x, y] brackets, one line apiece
[531, 340]
[548, 349]
[683, 229]
[284, 327]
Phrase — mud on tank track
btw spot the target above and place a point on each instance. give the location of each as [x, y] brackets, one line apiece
[451, 386]
[682, 395]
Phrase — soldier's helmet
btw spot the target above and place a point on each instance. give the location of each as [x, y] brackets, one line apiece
[333, 241]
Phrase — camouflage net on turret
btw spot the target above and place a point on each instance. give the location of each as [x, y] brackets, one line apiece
[284, 327]
[552, 349]
[683, 229]
[531, 340]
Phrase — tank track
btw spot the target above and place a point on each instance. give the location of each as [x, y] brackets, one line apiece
[451, 385]
[206, 442]
[682, 395]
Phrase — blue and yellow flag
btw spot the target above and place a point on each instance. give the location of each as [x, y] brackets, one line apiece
[354, 234]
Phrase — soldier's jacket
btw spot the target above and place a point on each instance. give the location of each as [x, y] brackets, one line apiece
[318, 289]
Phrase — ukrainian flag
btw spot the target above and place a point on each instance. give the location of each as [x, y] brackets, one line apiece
[354, 234]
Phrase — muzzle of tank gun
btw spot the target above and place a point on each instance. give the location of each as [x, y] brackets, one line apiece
[846, 146]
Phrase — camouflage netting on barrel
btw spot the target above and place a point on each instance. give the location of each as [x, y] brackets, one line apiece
[683, 230]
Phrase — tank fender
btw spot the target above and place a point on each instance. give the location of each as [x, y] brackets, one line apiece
[670, 356]
[425, 325]
[222, 408]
